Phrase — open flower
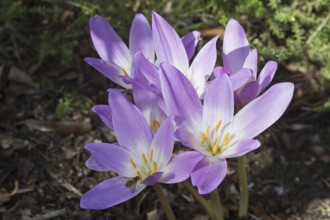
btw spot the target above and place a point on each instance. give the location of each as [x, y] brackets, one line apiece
[140, 158]
[240, 63]
[212, 129]
[116, 58]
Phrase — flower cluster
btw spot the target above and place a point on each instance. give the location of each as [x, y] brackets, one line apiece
[179, 95]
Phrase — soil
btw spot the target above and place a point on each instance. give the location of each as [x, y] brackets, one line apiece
[42, 171]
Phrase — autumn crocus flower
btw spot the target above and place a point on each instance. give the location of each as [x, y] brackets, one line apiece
[116, 58]
[140, 158]
[240, 63]
[212, 129]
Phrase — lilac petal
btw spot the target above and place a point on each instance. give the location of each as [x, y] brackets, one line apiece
[218, 102]
[140, 38]
[249, 92]
[109, 70]
[234, 37]
[251, 62]
[130, 126]
[240, 148]
[148, 103]
[234, 61]
[240, 78]
[152, 179]
[180, 166]
[163, 143]
[208, 175]
[179, 94]
[266, 75]
[145, 72]
[109, 193]
[218, 71]
[108, 44]
[109, 157]
[202, 66]
[262, 112]
[188, 132]
[168, 45]
[190, 42]
[104, 112]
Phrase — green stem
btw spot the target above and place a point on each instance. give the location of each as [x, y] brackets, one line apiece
[199, 198]
[163, 200]
[243, 187]
[216, 205]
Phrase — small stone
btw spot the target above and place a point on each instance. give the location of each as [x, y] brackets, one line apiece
[318, 150]
[325, 159]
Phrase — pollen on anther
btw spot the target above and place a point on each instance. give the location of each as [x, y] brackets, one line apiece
[144, 158]
[151, 154]
[139, 175]
[218, 126]
[155, 168]
[132, 162]
[202, 138]
[125, 73]
[226, 139]
[215, 148]
[207, 132]
[155, 125]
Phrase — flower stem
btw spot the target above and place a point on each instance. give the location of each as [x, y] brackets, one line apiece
[163, 200]
[216, 205]
[243, 187]
[199, 198]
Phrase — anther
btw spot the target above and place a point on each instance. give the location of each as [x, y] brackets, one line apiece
[215, 148]
[226, 139]
[125, 73]
[202, 138]
[144, 158]
[207, 132]
[139, 175]
[132, 162]
[155, 168]
[155, 125]
[151, 154]
[218, 126]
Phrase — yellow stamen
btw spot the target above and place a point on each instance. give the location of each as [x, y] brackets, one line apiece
[215, 148]
[125, 73]
[139, 175]
[155, 125]
[144, 158]
[218, 126]
[155, 168]
[226, 139]
[202, 138]
[207, 132]
[151, 154]
[132, 162]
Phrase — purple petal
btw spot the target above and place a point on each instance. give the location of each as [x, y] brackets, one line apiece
[108, 44]
[240, 148]
[180, 166]
[188, 132]
[140, 38]
[251, 62]
[109, 70]
[179, 94]
[262, 112]
[266, 75]
[248, 93]
[110, 157]
[234, 61]
[190, 42]
[130, 126]
[218, 71]
[109, 193]
[145, 72]
[104, 112]
[163, 143]
[240, 78]
[203, 65]
[148, 103]
[234, 37]
[208, 175]
[168, 45]
[218, 102]
[152, 179]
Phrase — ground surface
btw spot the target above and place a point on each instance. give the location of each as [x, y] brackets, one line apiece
[42, 171]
